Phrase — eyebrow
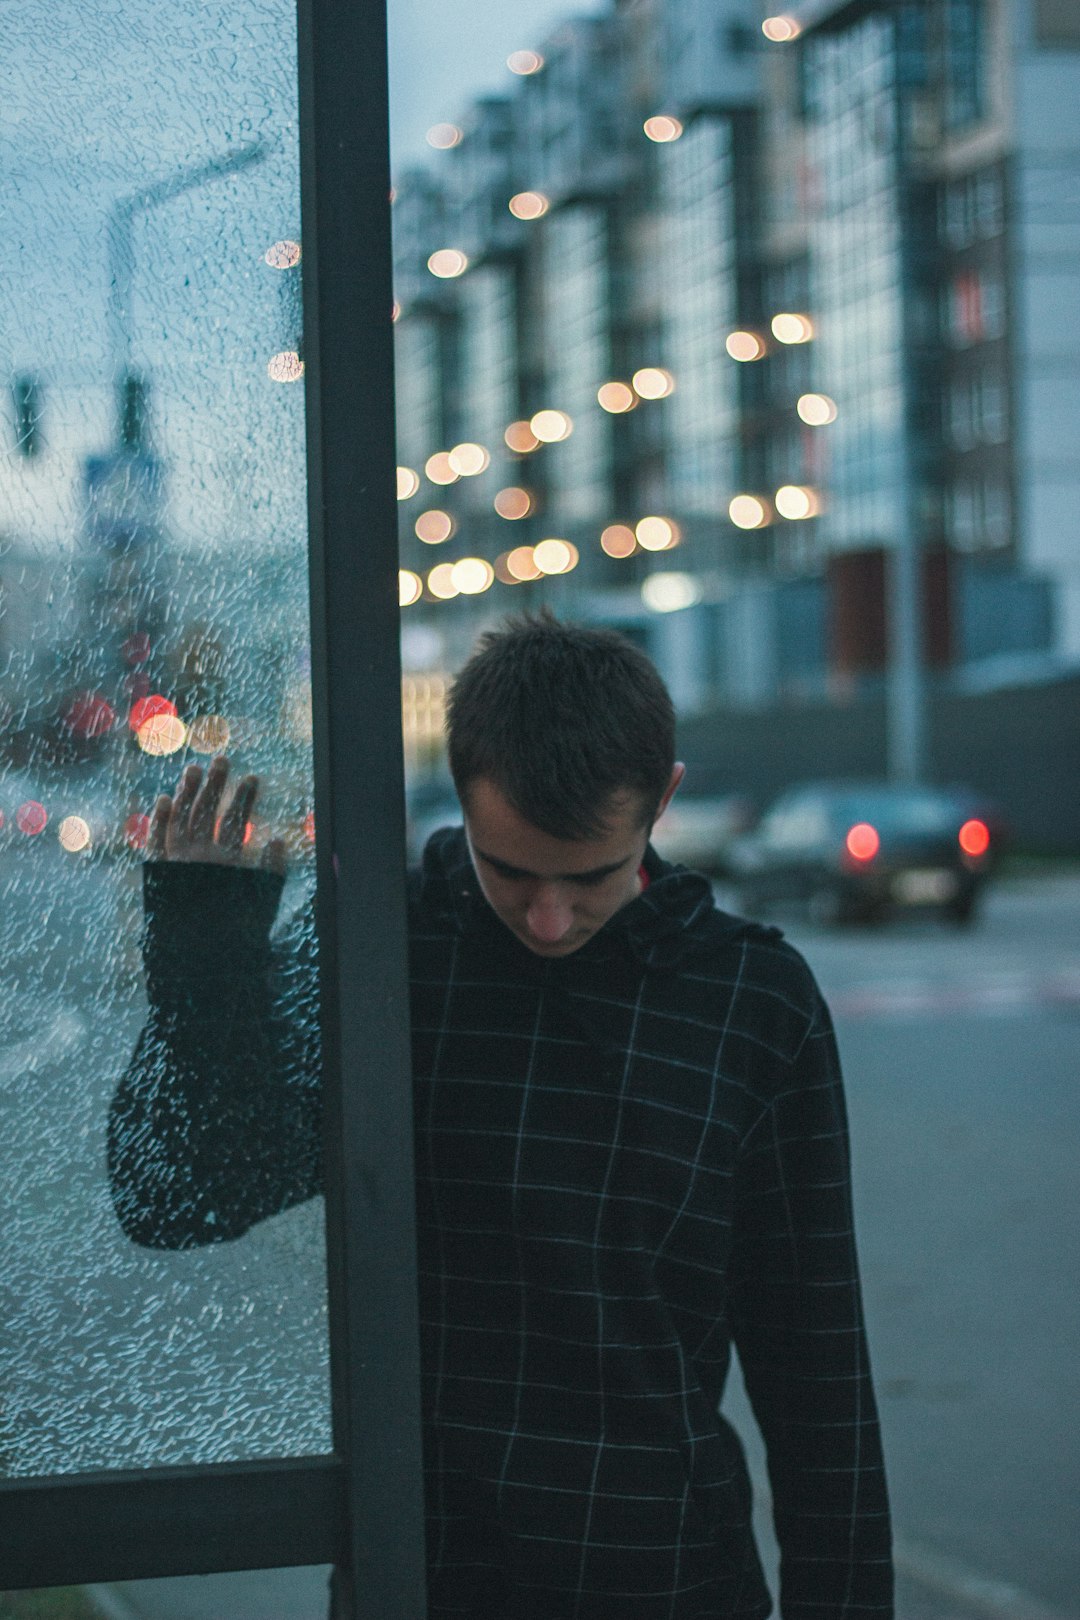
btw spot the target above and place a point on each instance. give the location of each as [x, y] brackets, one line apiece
[593, 875]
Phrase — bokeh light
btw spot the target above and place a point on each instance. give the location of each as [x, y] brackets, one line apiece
[89, 715]
[662, 128]
[529, 205]
[555, 556]
[525, 63]
[395, 312]
[148, 706]
[667, 593]
[161, 734]
[444, 136]
[74, 834]
[439, 470]
[286, 367]
[472, 575]
[816, 410]
[446, 263]
[408, 482]
[31, 818]
[744, 346]
[410, 587]
[656, 534]
[616, 397]
[209, 734]
[618, 540]
[795, 501]
[653, 382]
[440, 582]
[283, 255]
[469, 460]
[513, 503]
[789, 328]
[137, 830]
[780, 29]
[520, 438]
[748, 512]
[434, 527]
[551, 427]
[862, 841]
[521, 564]
[974, 837]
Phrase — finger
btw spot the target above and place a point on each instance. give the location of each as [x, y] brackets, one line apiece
[233, 827]
[181, 804]
[159, 828]
[204, 810]
[274, 857]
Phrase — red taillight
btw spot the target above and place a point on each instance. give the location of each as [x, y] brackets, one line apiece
[974, 837]
[862, 841]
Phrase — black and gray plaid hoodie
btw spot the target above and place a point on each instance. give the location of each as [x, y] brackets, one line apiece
[627, 1160]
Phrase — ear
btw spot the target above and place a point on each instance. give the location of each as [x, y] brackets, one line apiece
[669, 792]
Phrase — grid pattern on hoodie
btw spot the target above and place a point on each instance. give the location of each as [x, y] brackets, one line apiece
[627, 1160]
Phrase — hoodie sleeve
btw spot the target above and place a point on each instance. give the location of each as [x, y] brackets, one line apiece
[798, 1327]
[217, 1123]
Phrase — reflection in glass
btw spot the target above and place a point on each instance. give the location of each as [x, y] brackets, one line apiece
[152, 612]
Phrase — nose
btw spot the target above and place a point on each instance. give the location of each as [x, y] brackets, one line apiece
[549, 916]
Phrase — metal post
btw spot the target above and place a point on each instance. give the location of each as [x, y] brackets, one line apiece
[359, 804]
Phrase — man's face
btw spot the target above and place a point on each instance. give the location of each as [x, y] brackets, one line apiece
[553, 893]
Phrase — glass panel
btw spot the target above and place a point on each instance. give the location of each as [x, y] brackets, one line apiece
[153, 612]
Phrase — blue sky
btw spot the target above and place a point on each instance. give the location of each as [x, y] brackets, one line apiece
[445, 52]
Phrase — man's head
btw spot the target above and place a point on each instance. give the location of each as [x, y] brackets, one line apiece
[562, 747]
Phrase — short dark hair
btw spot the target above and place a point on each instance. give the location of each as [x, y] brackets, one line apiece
[561, 718]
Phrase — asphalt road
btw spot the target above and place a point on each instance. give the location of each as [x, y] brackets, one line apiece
[959, 1052]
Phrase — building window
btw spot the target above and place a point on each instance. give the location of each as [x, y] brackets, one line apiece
[964, 70]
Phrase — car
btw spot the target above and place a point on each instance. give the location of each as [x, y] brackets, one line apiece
[699, 832]
[858, 851]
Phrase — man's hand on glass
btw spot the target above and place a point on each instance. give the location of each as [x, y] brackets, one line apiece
[192, 827]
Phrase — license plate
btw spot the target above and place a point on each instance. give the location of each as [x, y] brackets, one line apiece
[924, 886]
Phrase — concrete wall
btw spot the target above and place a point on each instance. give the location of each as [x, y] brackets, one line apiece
[1019, 745]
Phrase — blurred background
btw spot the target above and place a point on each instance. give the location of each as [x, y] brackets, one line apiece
[754, 334]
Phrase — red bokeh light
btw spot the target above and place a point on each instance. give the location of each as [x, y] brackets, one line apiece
[30, 818]
[974, 837]
[136, 649]
[146, 708]
[309, 826]
[137, 830]
[89, 715]
[862, 841]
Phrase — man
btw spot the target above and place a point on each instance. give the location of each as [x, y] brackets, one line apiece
[631, 1152]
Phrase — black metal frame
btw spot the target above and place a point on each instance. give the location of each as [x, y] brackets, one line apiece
[360, 1507]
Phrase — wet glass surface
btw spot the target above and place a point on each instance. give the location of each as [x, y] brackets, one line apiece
[153, 611]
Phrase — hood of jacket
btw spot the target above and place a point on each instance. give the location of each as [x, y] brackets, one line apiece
[674, 919]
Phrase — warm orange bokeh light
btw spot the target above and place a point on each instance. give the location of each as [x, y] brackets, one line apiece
[618, 540]
[529, 205]
[816, 410]
[469, 460]
[525, 62]
[520, 438]
[286, 367]
[780, 29]
[744, 346]
[444, 136]
[551, 427]
[788, 328]
[656, 534]
[513, 503]
[146, 707]
[440, 584]
[974, 837]
[283, 255]
[521, 565]
[161, 734]
[748, 512]
[439, 470]
[555, 556]
[862, 841]
[408, 482]
[209, 734]
[74, 834]
[616, 397]
[662, 128]
[446, 263]
[472, 575]
[795, 501]
[410, 587]
[434, 527]
[653, 382]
